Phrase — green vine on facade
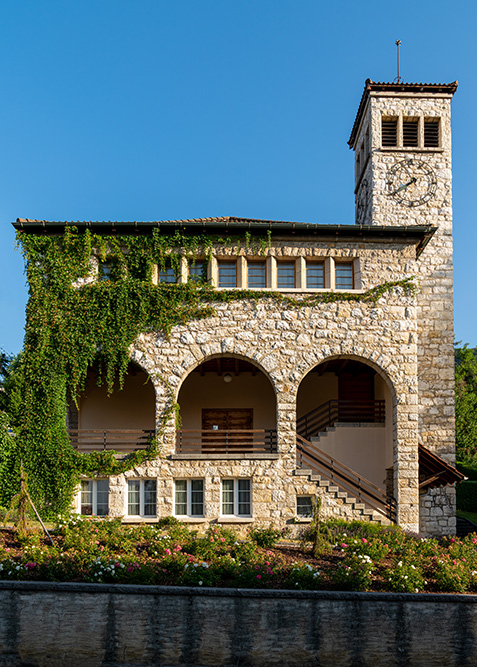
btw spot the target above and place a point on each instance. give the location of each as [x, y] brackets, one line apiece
[71, 328]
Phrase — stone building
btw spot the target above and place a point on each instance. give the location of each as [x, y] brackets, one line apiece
[343, 397]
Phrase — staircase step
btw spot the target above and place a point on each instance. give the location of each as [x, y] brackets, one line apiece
[333, 489]
[359, 506]
[303, 471]
[342, 494]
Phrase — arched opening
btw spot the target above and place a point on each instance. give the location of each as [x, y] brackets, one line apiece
[344, 408]
[227, 406]
[123, 421]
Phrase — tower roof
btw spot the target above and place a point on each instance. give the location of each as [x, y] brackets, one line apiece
[396, 88]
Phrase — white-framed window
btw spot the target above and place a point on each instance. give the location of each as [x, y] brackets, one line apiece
[95, 497]
[304, 506]
[344, 275]
[142, 497]
[236, 497]
[189, 497]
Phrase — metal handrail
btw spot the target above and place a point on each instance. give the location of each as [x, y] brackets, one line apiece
[308, 455]
[335, 410]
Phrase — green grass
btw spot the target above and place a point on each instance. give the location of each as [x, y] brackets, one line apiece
[471, 516]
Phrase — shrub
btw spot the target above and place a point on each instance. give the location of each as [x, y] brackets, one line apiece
[404, 578]
[265, 537]
[467, 496]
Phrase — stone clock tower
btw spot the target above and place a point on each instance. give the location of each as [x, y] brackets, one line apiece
[403, 176]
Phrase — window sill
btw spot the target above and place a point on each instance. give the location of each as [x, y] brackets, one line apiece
[411, 149]
[191, 519]
[235, 519]
[303, 519]
[223, 457]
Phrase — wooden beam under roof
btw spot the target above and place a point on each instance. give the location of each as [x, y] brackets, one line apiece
[236, 364]
[341, 367]
[322, 368]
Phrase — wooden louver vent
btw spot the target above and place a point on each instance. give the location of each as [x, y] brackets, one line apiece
[431, 133]
[389, 132]
[410, 133]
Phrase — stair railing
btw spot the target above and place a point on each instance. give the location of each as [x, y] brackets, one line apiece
[309, 456]
[327, 414]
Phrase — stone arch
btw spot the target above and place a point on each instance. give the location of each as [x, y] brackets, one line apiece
[248, 389]
[348, 403]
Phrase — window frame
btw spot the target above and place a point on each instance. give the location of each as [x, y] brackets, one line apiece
[302, 515]
[94, 492]
[194, 277]
[166, 271]
[189, 491]
[281, 262]
[220, 264]
[314, 262]
[236, 481]
[250, 264]
[142, 503]
[350, 263]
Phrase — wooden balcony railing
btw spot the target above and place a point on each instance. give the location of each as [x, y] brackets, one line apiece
[234, 441]
[327, 414]
[95, 440]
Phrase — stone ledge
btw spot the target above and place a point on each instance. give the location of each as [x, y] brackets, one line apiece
[223, 457]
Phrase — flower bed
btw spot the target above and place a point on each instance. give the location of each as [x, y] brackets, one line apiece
[335, 556]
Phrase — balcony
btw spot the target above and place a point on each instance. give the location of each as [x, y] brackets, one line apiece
[226, 442]
[99, 440]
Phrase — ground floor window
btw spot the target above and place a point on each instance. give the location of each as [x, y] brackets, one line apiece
[142, 497]
[189, 497]
[304, 506]
[236, 497]
[95, 497]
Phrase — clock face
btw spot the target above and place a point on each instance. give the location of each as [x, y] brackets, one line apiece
[411, 182]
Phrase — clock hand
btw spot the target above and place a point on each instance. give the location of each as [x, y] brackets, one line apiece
[403, 187]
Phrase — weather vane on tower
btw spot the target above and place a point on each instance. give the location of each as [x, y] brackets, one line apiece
[398, 79]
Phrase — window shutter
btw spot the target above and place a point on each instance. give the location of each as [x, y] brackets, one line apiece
[389, 132]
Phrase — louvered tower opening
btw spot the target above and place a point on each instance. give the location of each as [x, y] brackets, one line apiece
[410, 133]
[389, 132]
[431, 133]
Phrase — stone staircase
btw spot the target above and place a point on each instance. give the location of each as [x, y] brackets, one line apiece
[332, 495]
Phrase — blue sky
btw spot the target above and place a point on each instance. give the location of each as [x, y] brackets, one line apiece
[169, 109]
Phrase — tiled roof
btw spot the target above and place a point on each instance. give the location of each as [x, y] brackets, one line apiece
[418, 235]
[376, 86]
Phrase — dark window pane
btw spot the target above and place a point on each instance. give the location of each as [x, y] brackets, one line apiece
[389, 132]
[197, 497]
[102, 497]
[244, 497]
[285, 275]
[181, 497]
[227, 274]
[256, 274]
[410, 133]
[431, 133]
[228, 496]
[196, 271]
[304, 506]
[134, 506]
[150, 498]
[344, 276]
[315, 275]
[167, 276]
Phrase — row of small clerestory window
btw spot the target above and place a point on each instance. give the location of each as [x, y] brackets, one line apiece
[284, 274]
[189, 498]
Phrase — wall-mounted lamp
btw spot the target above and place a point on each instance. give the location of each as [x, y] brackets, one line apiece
[227, 378]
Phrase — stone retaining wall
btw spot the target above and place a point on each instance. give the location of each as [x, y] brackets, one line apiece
[52, 624]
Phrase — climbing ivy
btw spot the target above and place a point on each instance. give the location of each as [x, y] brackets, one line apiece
[75, 323]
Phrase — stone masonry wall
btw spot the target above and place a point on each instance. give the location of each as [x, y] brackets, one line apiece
[435, 330]
[93, 625]
[286, 344]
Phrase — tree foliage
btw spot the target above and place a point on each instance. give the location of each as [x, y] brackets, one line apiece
[466, 405]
